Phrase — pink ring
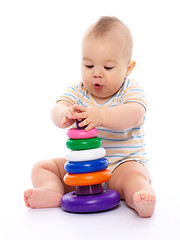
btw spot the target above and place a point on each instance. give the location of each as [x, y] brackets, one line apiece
[75, 133]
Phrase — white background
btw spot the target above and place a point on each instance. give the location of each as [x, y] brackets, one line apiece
[39, 56]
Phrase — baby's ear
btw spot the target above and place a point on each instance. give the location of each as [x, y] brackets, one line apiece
[130, 67]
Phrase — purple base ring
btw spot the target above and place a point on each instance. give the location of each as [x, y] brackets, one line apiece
[70, 202]
[89, 190]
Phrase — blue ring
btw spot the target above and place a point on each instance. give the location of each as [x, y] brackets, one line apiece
[86, 166]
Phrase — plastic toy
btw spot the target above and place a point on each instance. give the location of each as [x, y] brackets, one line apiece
[84, 179]
[89, 190]
[75, 133]
[86, 169]
[85, 155]
[92, 203]
[83, 144]
[86, 166]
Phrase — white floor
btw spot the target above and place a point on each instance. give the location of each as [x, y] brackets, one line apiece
[122, 222]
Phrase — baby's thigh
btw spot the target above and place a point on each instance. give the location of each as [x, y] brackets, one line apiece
[60, 165]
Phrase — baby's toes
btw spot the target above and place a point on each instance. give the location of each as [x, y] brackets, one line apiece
[26, 202]
[28, 193]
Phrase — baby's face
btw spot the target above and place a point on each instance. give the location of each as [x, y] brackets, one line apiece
[103, 66]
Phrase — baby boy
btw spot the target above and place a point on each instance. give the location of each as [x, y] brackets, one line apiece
[109, 100]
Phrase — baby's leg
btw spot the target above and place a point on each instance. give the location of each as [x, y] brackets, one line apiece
[47, 180]
[132, 181]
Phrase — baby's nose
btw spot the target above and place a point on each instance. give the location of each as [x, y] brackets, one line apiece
[97, 73]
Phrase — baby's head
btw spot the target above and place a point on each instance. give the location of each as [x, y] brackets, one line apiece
[112, 27]
[106, 57]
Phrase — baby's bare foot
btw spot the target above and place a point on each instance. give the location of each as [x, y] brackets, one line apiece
[41, 198]
[144, 203]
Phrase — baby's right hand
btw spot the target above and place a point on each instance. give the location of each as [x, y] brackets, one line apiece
[68, 117]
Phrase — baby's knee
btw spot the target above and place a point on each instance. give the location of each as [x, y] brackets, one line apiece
[55, 166]
[43, 164]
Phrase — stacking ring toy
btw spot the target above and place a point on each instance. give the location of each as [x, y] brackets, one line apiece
[85, 155]
[84, 179]
[75, 133]
[83, 144]
[93, 203]
[89, 190]
[86, 169]
[86, 166]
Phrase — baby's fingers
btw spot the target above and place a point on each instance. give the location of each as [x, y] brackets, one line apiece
[71, 110]
[67, 121]
[87, 124]
[81, 115]
[89, 127]
[69, 115]
[84, 123]
[79, 108]
[63, 122]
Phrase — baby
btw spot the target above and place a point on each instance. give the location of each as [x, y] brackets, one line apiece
[107, 99]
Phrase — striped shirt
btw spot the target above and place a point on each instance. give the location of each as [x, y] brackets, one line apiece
[120, 146]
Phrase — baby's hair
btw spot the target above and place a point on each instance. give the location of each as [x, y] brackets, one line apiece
[103, 25]
[107, 24]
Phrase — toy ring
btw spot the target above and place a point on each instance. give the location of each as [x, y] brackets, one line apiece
[86, 166]
[93, 203]
[87, 178]
[74, 133]
[83, 144]
[89, 190]
[85, 155]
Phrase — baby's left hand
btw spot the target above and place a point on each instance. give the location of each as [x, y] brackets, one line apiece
[92, 116]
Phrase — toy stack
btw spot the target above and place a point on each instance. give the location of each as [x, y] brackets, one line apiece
[86, 169]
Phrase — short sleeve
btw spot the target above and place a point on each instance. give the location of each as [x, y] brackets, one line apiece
[70, 94]
[134, 93]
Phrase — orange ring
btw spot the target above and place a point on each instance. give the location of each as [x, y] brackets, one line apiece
[85, 179]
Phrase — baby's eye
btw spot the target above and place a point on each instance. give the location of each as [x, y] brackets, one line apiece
[89, 66]
[108, 68]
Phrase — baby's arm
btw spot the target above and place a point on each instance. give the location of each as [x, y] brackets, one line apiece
[122, 116]
[60, 112]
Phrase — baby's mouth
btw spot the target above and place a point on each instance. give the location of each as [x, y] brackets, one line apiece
[97, 86]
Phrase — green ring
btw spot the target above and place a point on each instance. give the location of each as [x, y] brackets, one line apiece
[84, 144]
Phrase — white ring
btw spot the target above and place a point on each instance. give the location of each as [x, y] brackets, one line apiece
[86, 155]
